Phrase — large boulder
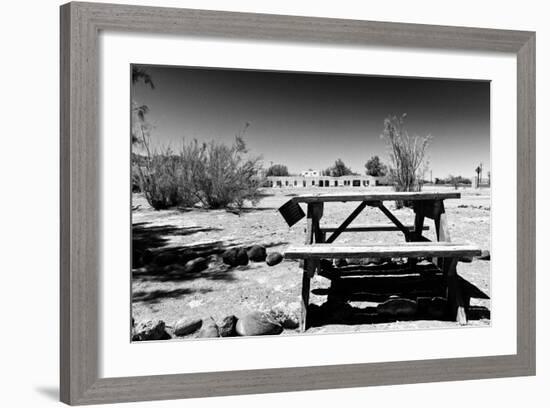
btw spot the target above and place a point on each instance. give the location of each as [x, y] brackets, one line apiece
[196, 265]
[398, 307]
[242, 257]
[229, 257]
[184, 326]
[257, 324]
[227, 327]
[235, 257]
[209, 329]
[256, 253]
[274, 258]
[150, 330]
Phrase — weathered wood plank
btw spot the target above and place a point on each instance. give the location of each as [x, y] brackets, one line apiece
[457, 303]
[309, 270]
[408, 249]
[442, 228]
[370, 228]
[419, 226]
[374, 196]
[398, 224]
[429, 208]
[314, 214]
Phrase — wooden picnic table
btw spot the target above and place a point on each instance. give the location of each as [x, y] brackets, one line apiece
[424, 204]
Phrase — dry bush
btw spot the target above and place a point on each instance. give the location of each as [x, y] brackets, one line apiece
[224, 177]
[162, 177]
[408, 161]
[214, 174]
[160, 181]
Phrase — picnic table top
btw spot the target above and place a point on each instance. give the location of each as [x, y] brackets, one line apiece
[409, 249]
[373, 196]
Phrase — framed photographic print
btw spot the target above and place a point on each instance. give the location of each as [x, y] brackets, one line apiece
[291, 203]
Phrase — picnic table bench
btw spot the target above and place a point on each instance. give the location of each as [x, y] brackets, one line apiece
[318, 246]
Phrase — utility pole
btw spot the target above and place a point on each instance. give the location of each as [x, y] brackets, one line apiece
[480, 172]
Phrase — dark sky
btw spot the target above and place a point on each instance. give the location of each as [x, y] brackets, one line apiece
[307, 120]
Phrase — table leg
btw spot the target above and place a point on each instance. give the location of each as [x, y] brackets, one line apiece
[416, 235]
[455, 298]
[418, 225]
[441, 226]
[313, 230]
[313, 234]
[309, 270]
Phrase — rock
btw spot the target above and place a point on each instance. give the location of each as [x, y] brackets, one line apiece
[196, 265]
[183, 327]
[242, 257]
[375, 261]
[209, 329]
[485, 255]
[150, 330]
[227, 326]
[286, 316]
[289, 323]
[229, 257]
[257, 324]
[340, 262]
[256, 253]
[235, 257]
[398, 307]
[274, 258]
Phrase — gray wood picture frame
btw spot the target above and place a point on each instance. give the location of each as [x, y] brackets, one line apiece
[80, 190]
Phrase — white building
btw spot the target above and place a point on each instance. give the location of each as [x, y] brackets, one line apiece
[310, 173]
[323, 181]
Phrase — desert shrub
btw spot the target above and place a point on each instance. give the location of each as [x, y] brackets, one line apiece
[162, 177]
[160, 181]
[213, 174]
[407, 155]
[222, 175]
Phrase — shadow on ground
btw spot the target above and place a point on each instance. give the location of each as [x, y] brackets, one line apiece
[427, 290]
[158, 295]
[155, 260]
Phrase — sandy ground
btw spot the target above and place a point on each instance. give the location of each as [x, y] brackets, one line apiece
[220, 291]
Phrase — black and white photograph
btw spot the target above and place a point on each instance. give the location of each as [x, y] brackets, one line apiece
[301, 203]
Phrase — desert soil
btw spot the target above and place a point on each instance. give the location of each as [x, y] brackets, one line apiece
[220, 291]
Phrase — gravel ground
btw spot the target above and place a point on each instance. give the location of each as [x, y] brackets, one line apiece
[220, 291]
